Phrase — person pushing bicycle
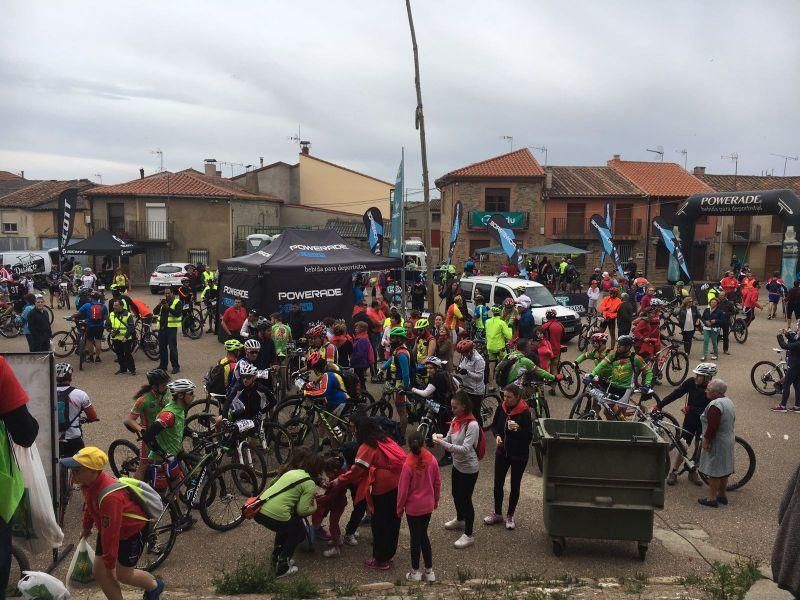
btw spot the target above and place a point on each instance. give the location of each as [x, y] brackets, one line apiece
[623, 369]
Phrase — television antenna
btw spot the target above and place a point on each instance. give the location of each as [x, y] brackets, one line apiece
[231, 165]
[510, 140]
[160, 159]
[786, 158]
[99, 176]
[734, 156]
[541, 149]
[659, 150]
[295, 138]
[685, 154]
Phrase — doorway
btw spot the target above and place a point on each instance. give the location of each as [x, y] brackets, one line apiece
[772, 261]
[698, 266]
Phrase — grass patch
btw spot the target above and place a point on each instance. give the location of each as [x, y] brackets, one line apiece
[465, 574]
[636, 584]
[731, 582]
[251, 575]
[522, 577]
[689, 580]
[344, 588]
[560, 595]
[298, 589]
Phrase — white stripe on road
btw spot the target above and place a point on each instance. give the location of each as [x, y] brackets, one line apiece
[769, 435]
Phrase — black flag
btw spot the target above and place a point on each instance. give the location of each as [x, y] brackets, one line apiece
[373, 223]
[67, 201]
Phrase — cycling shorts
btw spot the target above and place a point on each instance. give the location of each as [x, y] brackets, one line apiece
[400, 400]
[94, 333]
[129, 550]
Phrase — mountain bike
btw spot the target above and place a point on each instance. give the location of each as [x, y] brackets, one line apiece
[539, 410]
[146, 339]
[8, 323]
[739, 327]
[670, 361]
[192, 322]
[767, 376]
[593, 325]
[65, 343]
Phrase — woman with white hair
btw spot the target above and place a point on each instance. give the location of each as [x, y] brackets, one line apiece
[716, 458]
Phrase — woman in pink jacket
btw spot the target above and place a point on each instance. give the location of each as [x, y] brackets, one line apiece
[418, 496]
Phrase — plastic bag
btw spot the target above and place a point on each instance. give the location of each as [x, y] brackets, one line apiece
[35, 520]
[41, 586]
[81, 567]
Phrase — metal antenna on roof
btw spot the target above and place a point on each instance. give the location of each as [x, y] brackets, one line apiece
[685, 153]
[541, 149]
[510, 140]
[659, 150]
[295, 138]
[786, 158]
[231, 165]
[734, 156]
[99, 176]
[160, 159]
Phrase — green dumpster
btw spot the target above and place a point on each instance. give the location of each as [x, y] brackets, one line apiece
[602, 480]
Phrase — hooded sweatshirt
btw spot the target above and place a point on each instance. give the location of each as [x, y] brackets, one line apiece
[420, 485]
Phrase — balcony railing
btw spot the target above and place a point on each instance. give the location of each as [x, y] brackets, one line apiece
[626, 230]
[743, 235]
[140, 231]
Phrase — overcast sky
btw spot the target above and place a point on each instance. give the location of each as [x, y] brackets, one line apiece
[94, 87]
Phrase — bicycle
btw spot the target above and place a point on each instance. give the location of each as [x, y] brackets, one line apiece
[72, 341]
[540, 409]
[146, 339]
[192, 322]
[8, 323]
[669, 361]
[767, 376]
[593, 325]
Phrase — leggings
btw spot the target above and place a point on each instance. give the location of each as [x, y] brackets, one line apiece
[791, 379]
[501, 466]
[687, 341]
[288, 534]
[359, 510]
[385, 526]
[420, 542]
[462, 486]
[726, 331]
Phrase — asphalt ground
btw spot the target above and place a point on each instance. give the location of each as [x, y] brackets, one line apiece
[746, 527]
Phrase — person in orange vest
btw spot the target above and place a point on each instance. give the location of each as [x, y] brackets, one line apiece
[609, 306]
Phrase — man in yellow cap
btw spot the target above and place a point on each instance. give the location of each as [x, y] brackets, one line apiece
[120, 521]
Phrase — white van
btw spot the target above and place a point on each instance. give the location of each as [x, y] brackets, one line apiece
[495, 289]
[37, 262]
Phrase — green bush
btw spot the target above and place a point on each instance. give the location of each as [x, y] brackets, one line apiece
[298, 589]
[252, 575]
[731, 582]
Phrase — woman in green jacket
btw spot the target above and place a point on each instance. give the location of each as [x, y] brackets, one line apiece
[288, 499]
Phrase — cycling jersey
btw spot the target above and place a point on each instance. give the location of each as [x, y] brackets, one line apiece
[77, 402]
[399, 367]
[421, 348]
[497, 334]
[146, 408]
[594, 354]
[170, 438]
[281, 334]
[330, 387]
[247, 403]
[525, 365]
[621, 371]
[481, 314]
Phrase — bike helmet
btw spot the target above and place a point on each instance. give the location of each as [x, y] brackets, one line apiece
[508, 303]
[181, 385]
[599, 338]
[397, 332]
[316, 331]
[551, 313]
[263, 324]
[316, 361]
[465, 346]
[657, 302]
[704, 287]
[679, 283]
[496, 310]
[63, 370]
[625, 340]
[252, 345]
[86, 270]
[422, 324]
[233, 345]
[246, 369]
[705, 368]
[157, 376]
[435, 361]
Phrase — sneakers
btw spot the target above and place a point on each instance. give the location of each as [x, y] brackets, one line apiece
[413, 575]
[707, 502]
[351, 540]
[795, 409]
[371, 563]
[492, 519]
[694, 477]
[672, 478]
[454, 524]
[510, 522]
[722, 500]
[97, 359]
[332, 552]
[429, 576]
[779, 408]
[465, 541]
[290, 570]
[714, 357]
[156, 593]
[321, 534]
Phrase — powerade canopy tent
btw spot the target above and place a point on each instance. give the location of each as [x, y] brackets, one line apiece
[102, 243]
[314, 268]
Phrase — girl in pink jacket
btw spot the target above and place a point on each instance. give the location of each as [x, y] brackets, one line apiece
[418, 496]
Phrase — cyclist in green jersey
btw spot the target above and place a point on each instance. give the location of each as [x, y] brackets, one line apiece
[281, 334]
[598, 350]
[150, 400]
[498, 333]
[525, 366]
[623, 368]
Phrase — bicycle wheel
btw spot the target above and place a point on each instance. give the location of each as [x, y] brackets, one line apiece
[488, 407]
[302, 433]
[196, 427]
[766, 377]
[381, 408]
[63, 343]
[149, 345]
[744, 463]
[19, 563]
[740, 332]
[582, 405]
[291, 408]
[279, 447]
[677, 367]
[229, 487]
[9, 329]
[254, 457]
[571, 384]
[192, 326]
[583, 338]
[124, 458]
[204, 405]
[159, 538]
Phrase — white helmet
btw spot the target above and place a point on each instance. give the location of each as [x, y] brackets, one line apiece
[436, 361]
[252, 345]
[246, 369]
[63, 369]
[705, 368]
[181, 385]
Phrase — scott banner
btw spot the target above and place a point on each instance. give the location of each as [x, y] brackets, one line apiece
[398, 218]
[373, 223]
[672, 244]
[598, 223]
[497, 225]
[455, 229]
[608, 224]
[67, 201]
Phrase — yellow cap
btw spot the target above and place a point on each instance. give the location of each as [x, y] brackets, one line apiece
[89, 457]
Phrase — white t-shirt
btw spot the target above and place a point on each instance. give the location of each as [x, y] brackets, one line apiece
[77, 402]
[88, 281]
[688, 324]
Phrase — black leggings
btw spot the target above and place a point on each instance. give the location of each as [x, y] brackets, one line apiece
[726, 332]
[688, 336]
[385, 526]
[288, 534]
[501, 467]
[462, 486]
[359, 510]
[420, 542]
[791, 380]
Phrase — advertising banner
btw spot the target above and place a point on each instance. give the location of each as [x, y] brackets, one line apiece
[398, 217]
[478, 219]
[498, 227]
[608, 224]
[455, 229]
[67, 201]
[373, 223]
[672, 244]
[598, 223]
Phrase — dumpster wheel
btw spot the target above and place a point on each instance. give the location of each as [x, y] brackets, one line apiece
[558, 546]
[642, 547]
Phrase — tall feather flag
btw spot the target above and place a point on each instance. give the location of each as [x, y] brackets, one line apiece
[604, 234]
[672, 244]
[498, 226]
[454, 230]
[608, 225]
[398, 218]
[373, 223]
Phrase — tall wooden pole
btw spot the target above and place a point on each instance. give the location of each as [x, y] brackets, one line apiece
[420, 123]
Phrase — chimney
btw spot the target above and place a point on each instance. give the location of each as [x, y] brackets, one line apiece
[251, 182]
[210, 167]
[699, 171]
[548, 179]
[141, 173]
[616, 157]
[22, 174]
[261, 160]
[305, 147]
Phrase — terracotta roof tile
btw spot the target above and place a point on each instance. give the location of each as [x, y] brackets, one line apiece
[183, 183]
[520, 163]
[41, 192]
[660, 179]
[347, 229]
[8, 186]
[725, 183]
[5, 176]
[594, 182]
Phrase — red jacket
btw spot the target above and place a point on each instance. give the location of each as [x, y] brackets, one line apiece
[554, 333]
[729, 284]
[376, 471]
[234, 319]
[750, 297]
[111, 525]
[646, 330]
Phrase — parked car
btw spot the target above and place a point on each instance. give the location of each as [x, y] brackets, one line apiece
[167, 275]
[495, 289]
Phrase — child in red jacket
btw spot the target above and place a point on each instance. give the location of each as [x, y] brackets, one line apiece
[331, 504]
[418, 496]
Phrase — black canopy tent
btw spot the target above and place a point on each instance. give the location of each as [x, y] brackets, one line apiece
[102, 243]
[314, 268]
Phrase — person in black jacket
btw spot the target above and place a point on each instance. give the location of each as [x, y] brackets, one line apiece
[689, 325]
[728, 307]
[514, 430]
[696, 402]
[625, 314]
[296, 321]
[788, 340]
[39, 325]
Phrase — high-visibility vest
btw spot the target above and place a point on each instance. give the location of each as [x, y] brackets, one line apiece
[208, 276]
[119, 326]
[174, 322]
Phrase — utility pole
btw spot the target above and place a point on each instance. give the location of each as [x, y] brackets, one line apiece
[786, 158]
[420, 123]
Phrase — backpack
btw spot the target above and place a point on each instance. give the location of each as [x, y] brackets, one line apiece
[390, 428]
[141, 493]
[503, 370]
[215, 378]
[96, 312]
[64, 422]
[351, 383]
[480, 448]
[412, 365]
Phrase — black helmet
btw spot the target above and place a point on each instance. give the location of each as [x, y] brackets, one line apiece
[625, 340]
[157, 376]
